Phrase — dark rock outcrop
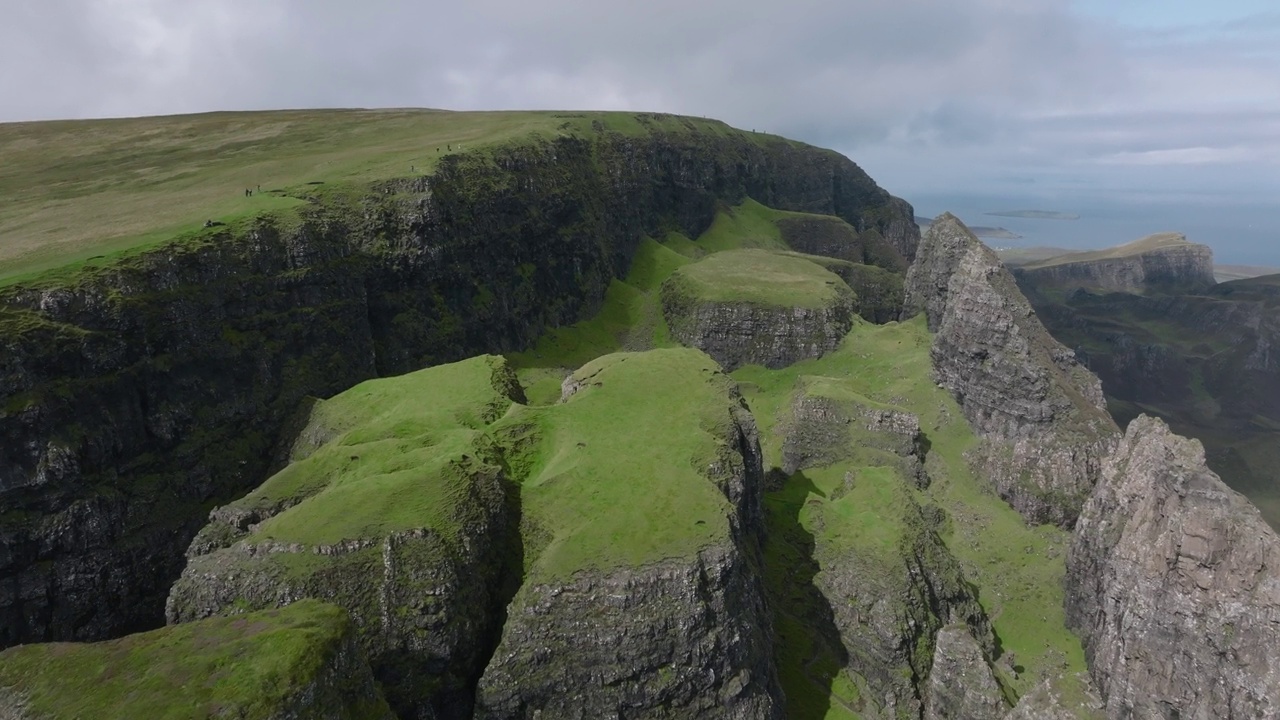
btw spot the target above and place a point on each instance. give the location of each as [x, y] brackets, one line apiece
[962, 685]
[777, 321]
[1040, 413]
[879, 291]
[834, 238]
[1159, 263]
[826, 426]
[136, 397]
[426, 597]
[1171, 584]
[685, 635]
[677, 639]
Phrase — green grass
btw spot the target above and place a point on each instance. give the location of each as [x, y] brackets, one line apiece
[244, 667]
[77, 190]
[618, 475]
[759, 277]
[394, 459]
[1018, 569]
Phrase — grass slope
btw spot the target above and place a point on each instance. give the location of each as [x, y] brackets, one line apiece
[80, 189]
[390, 456]
[248, 666]
[1018, 569]
[618, 474]
[758, 277]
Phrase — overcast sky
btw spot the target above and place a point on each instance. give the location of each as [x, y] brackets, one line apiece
[1176, 98]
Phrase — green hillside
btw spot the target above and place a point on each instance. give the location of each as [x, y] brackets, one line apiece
[76, 190]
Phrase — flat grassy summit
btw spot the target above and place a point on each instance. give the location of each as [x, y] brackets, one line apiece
[77, 189]
[1142, 246]
[758, 277]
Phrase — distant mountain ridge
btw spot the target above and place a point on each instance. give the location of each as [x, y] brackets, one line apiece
[1164, 261]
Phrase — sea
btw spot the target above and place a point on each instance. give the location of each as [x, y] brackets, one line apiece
[1240, 233]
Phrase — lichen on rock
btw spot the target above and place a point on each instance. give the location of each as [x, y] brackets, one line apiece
[1171, 585]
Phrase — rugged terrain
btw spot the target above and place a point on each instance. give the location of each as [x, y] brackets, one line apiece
[604, 416]
[1165, 262]
[1201, 360]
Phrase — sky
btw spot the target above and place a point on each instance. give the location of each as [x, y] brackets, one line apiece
[1162, 101]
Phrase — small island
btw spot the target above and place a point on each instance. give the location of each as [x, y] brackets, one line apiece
[1036, 214]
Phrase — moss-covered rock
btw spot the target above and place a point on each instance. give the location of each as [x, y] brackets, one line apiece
[757, 307]
[139, 392]
[641, 496]
[301, 661]
[403, 516]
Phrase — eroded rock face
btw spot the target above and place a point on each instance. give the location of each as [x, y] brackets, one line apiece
[682, 637]
[823, 429]
[961, 683]
[746, 333]
[889, 609]
[1174, 265]
[1041, 415]
[1171, 584]
[834, 238]
[679, 639]
[1070, 697]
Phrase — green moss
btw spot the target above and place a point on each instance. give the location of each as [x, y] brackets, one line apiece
[249, 666]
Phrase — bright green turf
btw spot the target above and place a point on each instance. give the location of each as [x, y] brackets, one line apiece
[617, 475]
[759, 277]
[241, 667]
[1018, 569]
[394, 460]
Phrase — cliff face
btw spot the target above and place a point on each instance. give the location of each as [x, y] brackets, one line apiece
[1159, 263]
[1205, 363]
[138, 396]
[1171, 584]
[1041, 414]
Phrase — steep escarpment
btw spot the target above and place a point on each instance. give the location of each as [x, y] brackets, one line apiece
[755, 307]
[138, 394]
[297, 662]
[394, 507]
[1159, 263]
[1204, 362]
[1041, 414]
[1171, 584]
[642, 516]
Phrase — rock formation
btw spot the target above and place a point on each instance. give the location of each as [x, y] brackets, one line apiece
[834, 238]
[961, 684]
[680, 629]
[137, 395]
[1166, 262]
[424, 590]
[1171, 584]
[755, 307]
[1040, 413]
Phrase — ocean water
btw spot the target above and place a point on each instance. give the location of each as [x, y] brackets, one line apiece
[1240, 233]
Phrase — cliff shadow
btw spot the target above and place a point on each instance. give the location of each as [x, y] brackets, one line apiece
[808, 652]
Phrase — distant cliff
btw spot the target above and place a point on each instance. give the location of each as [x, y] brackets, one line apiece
[1164, 262]
[136, 396]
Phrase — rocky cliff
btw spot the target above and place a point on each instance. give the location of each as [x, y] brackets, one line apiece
[1158, 263]
[1041, 414]
[298, 662]
[394, 508]
[139, 394]
[1171, 584]
[752, 307]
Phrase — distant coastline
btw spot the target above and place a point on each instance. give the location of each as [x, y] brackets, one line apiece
[1036, 214]
[995, 233]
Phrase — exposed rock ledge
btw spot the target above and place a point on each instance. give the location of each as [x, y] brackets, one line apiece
[1172, 585]
[1040, 413]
